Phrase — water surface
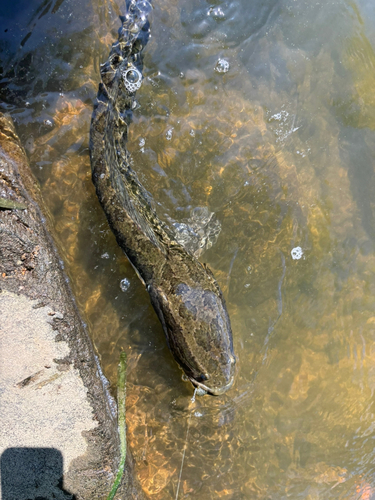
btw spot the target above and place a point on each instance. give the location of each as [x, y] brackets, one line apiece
[280, 147]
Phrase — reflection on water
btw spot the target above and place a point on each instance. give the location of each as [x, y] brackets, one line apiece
[281, 148]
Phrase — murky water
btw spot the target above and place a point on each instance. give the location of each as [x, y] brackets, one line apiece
[263, 112]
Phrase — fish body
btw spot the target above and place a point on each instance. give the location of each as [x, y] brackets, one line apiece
[183, 292]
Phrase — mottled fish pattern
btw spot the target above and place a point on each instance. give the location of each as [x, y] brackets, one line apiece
[183, 292]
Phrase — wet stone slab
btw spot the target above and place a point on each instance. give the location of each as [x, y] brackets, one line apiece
[44, 401]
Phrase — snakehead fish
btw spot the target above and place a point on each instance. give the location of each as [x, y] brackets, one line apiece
[183, 292]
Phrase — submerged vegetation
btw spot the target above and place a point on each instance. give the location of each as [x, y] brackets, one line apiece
[121, 418]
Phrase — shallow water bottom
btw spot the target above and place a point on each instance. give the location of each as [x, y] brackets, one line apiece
[281, 149]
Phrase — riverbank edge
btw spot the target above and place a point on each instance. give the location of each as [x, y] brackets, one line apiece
[31, 270]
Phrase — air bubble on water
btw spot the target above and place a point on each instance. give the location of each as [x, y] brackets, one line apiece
[199, 391]
[216, 12]
[282, 116]
[132, 76]
[222, 66]
[105, 255]
[168, 134]
[296, 253]
[124, 285]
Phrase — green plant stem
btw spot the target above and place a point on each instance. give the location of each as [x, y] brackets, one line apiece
[121, 421]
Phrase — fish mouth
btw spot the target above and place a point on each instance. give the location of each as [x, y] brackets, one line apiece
[213, 391]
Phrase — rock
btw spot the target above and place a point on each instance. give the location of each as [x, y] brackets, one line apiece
[61, 439]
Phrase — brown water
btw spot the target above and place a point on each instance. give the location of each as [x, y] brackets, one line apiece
[281, 148]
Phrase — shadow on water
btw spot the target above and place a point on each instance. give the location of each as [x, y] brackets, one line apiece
[32, 474]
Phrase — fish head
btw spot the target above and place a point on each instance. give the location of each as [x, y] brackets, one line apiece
[199, 335]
